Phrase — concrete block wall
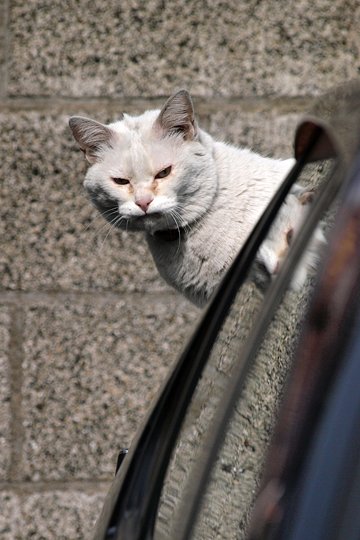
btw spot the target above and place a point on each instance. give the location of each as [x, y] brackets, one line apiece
[87, 328]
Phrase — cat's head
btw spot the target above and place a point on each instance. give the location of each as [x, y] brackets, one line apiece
[149, 172]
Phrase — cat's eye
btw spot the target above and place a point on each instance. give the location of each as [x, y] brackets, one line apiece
[289, 236]
[164, 172]
[120, 181]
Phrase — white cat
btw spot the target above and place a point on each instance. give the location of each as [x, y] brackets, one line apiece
[196, 199]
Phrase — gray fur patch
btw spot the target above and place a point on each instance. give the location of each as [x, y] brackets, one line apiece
[101, 199]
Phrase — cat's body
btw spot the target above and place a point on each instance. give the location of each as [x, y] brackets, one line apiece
[272, 252]
[196, 264]
[196, 199]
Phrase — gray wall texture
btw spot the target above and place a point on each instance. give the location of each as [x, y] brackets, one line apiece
[87, 328]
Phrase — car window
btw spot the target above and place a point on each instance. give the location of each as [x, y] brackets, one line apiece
[235, 475]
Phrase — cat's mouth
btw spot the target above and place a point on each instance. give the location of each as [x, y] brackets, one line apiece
[155, 215]
[148, 222]
[151, 221]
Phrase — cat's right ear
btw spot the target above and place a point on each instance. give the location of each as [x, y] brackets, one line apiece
[177, 116]
[90, 135]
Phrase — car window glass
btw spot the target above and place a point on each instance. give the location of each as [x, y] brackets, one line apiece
[235, 475]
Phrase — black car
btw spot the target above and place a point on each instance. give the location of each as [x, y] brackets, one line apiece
[256, 432]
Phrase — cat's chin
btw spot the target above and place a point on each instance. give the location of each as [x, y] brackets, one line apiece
[149, 223]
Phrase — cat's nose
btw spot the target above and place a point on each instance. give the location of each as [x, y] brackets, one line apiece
[144, 202]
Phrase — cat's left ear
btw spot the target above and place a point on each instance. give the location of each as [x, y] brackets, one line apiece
[90, 135]
[177, 116]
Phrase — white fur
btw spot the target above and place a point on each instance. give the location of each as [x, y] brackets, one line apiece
[273, 251]
[245, 184]
[215, 192]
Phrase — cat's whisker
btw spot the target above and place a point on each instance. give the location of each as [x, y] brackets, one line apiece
[96, 216]
[104, 225]
[113, 225]
[93, 219]
[172, 213]
[96, 231]
[175, 214]
[110, 212]
[186, 226]
[110, 226]
[198, 208]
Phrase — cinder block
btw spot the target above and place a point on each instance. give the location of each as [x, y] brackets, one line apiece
[10, 516]
[60, 515]
[149, 48]
[49, 515]
[90, 374]
[51, 238]
[5, 393]
[265, 132]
